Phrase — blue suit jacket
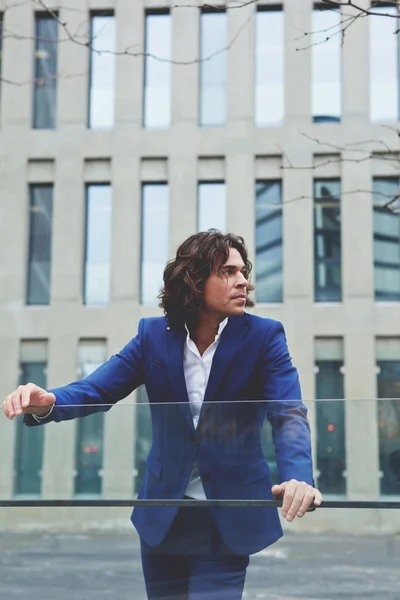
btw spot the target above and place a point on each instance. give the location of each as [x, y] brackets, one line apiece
[251, 363]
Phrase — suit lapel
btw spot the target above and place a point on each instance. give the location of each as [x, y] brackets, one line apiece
[230, 341]
[174, 362]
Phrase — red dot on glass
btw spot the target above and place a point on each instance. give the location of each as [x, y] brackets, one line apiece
[331, 427]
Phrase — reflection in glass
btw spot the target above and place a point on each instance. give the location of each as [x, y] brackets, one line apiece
[45, 85]
[143, 436]
[89, 430]
[98, 244]
[102, 72]
[384, 65]
[327, 241]
[331, 450]
[29, 440]
[40, 234]
[326, 55]
[155, 230]
[269, 261]
[211, 206]
[157, 83]
[388, 380]
[386, 241]
[269, 67]
[213, 68]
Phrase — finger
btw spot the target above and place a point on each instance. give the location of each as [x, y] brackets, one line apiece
[297, 500]
[277, 490]
[16, 402]
[6, 407]
[307, 502]
[288, 496]
[25, 397]
[317, 497]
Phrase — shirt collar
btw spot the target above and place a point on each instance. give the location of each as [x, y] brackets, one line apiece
[221, 327]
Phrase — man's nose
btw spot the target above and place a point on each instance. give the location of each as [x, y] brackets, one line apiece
[242, 281]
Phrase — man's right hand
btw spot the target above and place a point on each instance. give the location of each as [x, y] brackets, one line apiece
[28, 398]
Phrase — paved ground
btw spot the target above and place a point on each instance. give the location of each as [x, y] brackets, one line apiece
[101, 566]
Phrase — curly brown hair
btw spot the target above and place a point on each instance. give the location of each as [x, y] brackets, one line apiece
[184, 277]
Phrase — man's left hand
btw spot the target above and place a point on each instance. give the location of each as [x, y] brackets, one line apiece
[298, 496]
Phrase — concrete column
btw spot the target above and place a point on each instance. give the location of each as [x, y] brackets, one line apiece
[183, 198]
[362, 444]
[298, 226]
[59, 438]
[17, 67]
[73, 67]
[9, 359]
[241, 65]
[129, 69]
[297, 61]
[185, 77]
[68, 234]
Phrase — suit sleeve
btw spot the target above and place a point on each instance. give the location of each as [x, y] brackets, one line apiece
[285, 409]
[111, 382]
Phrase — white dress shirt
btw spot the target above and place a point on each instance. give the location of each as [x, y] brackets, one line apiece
[197, 370]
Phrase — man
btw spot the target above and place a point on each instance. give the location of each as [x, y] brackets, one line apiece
[212, 373]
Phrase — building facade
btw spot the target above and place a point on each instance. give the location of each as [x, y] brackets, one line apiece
[127, 126]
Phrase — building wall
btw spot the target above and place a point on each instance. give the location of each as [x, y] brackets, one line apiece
[72, 154]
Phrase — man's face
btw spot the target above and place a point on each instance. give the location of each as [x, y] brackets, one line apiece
[225, 293]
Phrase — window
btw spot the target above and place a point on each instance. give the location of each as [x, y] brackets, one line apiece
[89, 435]
[269, 67]
[211, 206]
[29, 440]
[384, 64]
[326, 55]
[40, 231]
[155, 228]
[388, 383]
[98, 244]
[45, 85]
[268, 235]
[143, 434]
[327, 241]
[157, 83]
[213, 68]
[386, 241]
[331, 444]
[102, 72]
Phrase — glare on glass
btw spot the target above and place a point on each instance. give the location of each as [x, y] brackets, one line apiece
[386, 241]
[269, 68]
[40, 240]
[98, 244]
[268, 234]
[212, 207]
[45, 83]
[326, 59]
[102, 72]
[384, 65]
[157, 87]
[155, 229]
[213, 68]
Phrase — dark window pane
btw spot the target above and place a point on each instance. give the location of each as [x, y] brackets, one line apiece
[29, 440]
[327, 241]
[269, 263]
[331, 449]
[89, 454]
[45, 86]
[39, 260]
[389, 426]
[386, 241]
